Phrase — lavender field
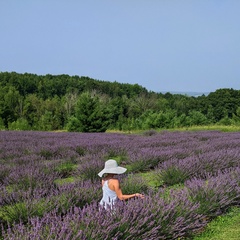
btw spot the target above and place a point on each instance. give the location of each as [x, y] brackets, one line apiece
[49, 188]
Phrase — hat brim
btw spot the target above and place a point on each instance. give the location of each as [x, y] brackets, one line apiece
[117, 170]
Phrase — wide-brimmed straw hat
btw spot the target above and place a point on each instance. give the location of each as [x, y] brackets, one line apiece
[111, 166]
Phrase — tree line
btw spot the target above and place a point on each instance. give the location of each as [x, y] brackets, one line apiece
[73, 103]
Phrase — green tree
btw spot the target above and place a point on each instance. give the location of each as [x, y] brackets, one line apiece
[180, 121]
[142, 103]
[19, 124]
[236, 117]
[196, 118]
[165, 119]
[73, 125]
[45, 122]
[55, 107]
[224, 101]
[182, 104]
[210, 114]
[3, 110]
[2, 125]
[162, 104]
[69, 101]
[13, 104]
[33, 110]
[92, 115]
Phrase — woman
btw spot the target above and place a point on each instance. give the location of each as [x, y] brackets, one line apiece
[110, 185]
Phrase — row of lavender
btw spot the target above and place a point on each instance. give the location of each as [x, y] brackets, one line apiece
[32, 162]
[198, 152]
[180, 214]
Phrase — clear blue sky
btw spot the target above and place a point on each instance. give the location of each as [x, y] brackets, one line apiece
[162, 45]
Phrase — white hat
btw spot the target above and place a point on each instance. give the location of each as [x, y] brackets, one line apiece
[111, 166]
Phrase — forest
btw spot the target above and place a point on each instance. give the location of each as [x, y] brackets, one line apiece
[82, 104]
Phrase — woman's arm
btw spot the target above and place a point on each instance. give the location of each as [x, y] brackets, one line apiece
[116, 187]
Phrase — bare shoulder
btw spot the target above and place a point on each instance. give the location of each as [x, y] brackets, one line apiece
[114, 183]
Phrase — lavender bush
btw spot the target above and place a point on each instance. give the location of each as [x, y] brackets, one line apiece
[172, 175]
[216, 194]
[136, 219]
[90, 167]
[204, 168]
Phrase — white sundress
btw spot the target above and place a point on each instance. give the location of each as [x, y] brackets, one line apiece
[109, 196]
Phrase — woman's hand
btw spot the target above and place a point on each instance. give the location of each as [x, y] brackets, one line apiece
[139, 195]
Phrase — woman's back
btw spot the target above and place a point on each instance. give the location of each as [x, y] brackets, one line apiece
[109, 196]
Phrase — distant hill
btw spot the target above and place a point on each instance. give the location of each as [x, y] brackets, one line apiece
[193, 94]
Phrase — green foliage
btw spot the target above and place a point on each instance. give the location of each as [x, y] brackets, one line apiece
[73, 125]
[47, 154]
[2, 126]
[63, 181]
[13, 103]
[164, 120]
[238, 112]
[22, 211]
[65, 169]
[46, 122]
[196, 118]
[210, 114]
[215, 127]
[152, 179]
[93, 115]
[14, 213]
[225, 121]
[224, 102]
[137, 166]
[223, 227]
[172, 175]
[19, 124]
[27, 182]
[180, 121]
[82, 104]
[235, 120]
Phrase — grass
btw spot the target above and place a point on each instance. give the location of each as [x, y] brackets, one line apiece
[222, 128]
[151, 179]
[62, 181]
[225, 227]
[66, 169]
[214, 127]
